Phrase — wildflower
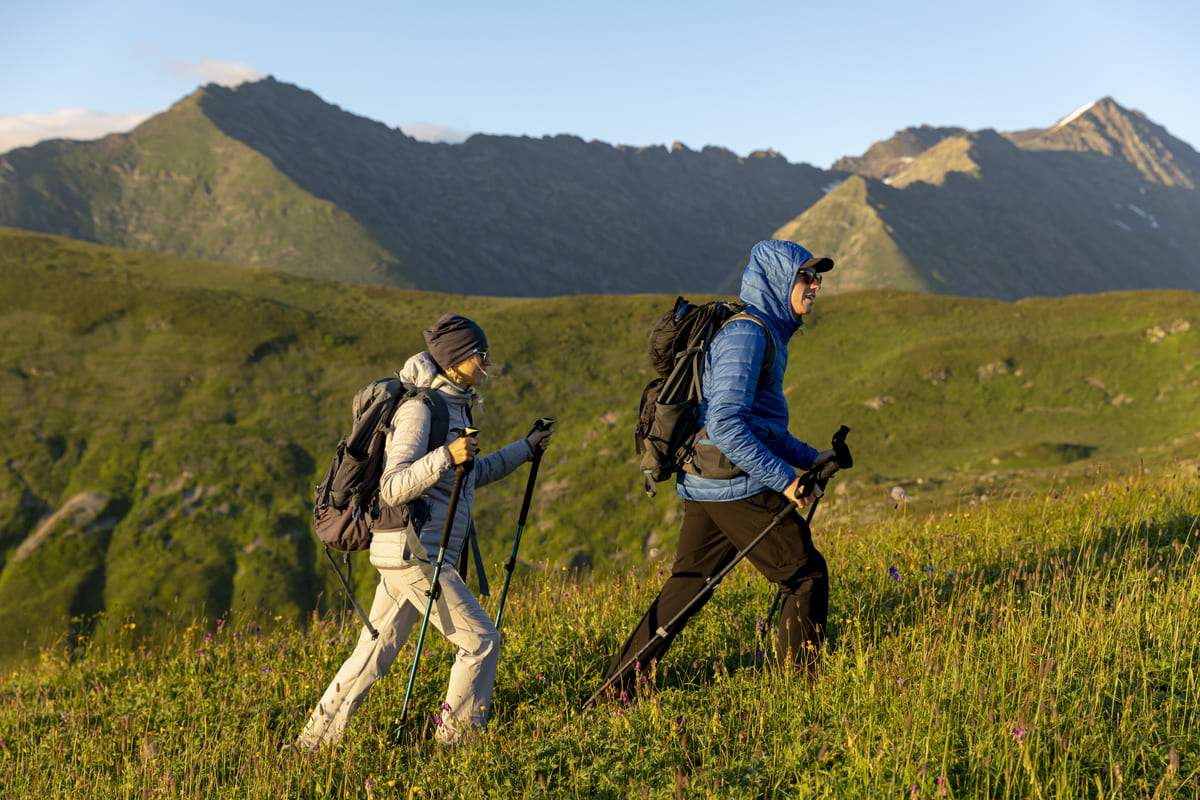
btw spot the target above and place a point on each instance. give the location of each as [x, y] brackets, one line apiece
[894, 573]
[760, 624]
[1019, 734]
[914, 791]
[266, 670]
[941, 783]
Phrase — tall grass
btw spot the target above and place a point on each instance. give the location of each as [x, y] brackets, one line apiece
[1032, 648]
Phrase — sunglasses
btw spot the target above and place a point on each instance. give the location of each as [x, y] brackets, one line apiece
[810, 276]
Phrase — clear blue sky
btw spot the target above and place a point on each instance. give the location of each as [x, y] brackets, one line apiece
[814, 81]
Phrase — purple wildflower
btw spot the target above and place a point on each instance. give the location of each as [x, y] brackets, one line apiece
[894, 573]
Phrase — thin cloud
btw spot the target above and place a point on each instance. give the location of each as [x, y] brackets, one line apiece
[22, 130]
[212, 70]
[429, 132]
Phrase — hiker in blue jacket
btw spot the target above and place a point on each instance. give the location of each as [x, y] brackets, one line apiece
[748, 422]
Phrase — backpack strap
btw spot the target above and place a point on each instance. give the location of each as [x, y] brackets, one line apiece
[713, 463]
[464, 564]
[768, 353]
[439, 417]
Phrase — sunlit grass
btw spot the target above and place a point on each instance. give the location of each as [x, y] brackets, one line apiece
[1038, 648]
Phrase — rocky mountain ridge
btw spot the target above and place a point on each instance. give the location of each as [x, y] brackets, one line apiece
[270, 174]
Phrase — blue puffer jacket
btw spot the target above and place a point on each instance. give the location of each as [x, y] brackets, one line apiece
[749, 424]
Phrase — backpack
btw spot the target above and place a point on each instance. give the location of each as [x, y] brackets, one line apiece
[668, 434]
[347, 508]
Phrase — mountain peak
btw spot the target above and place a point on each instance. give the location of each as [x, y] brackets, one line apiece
[886, 159]
[1083, 109]
[1106, 127]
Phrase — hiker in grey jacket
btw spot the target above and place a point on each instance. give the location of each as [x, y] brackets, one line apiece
[455, 364]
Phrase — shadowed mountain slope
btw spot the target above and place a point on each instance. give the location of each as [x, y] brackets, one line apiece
[1104, 201]
[270, 174]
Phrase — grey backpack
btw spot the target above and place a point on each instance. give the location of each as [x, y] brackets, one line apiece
[348, 508]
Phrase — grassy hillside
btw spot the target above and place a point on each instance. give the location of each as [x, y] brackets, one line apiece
[167, 419]
[272, 175]
[1039, 648]
[177, 184]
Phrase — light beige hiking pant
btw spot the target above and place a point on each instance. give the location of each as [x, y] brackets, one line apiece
[399, 604]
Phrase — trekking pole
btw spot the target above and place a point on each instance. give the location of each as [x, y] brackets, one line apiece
[434, 590]
[542, 424]
[809, 479]
[664, 630]
[844, 460]
[779, 592]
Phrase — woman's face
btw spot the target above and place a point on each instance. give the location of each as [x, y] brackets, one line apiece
[474, 370]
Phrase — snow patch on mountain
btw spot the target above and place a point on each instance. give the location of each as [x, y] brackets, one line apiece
[1074, 114]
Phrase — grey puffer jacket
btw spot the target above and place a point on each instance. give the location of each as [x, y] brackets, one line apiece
[411, 471]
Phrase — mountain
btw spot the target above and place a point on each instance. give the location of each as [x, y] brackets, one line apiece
[1104, 200]
[887, 158]
[167, 419]
[269, 174]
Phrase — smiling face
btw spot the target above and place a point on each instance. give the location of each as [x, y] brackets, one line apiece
[804, 291]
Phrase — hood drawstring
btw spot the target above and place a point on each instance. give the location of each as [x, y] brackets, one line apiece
[443, 380]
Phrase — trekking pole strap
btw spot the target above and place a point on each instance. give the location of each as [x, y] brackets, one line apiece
[358, 609]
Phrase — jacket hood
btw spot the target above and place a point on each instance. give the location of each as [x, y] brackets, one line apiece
[419, 370]
[767, 282]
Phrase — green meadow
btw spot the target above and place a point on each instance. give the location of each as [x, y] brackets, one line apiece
[1037, 648]
[1013, 553]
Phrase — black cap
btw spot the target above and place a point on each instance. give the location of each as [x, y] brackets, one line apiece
[822, 264]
